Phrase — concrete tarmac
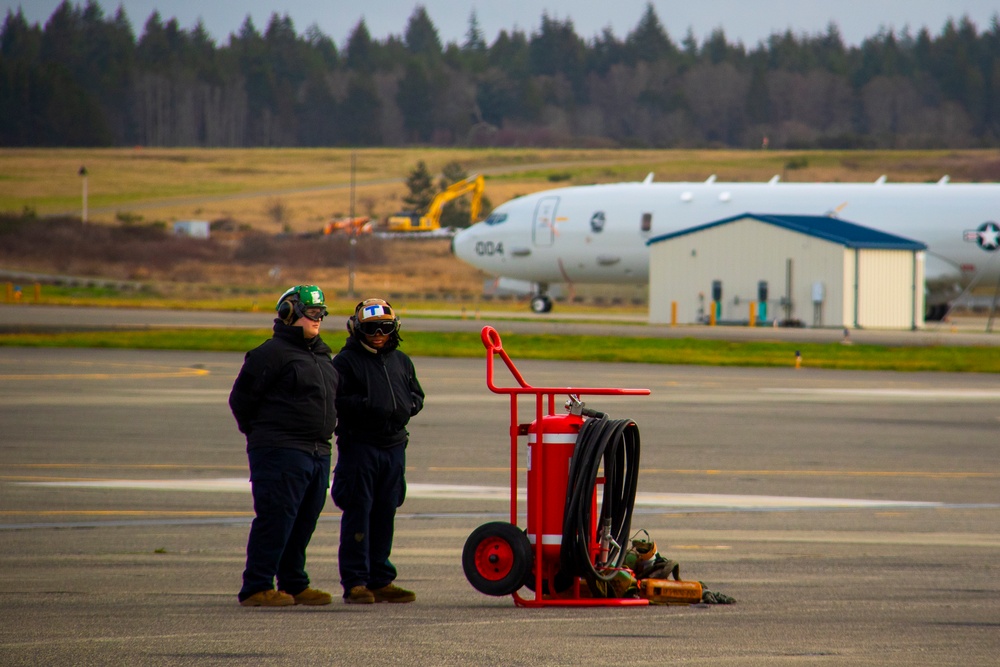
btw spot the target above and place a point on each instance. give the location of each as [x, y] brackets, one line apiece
[854, 516]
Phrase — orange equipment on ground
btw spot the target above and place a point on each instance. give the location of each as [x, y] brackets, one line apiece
[357, 225]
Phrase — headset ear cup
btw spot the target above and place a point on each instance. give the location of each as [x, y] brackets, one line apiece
[350, 324]
[285, 311]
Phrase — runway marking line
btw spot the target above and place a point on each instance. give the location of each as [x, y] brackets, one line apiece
[127, 466]
[129, 372]
[953, 474]
[206, 513]
[426, 491]
[784, 473]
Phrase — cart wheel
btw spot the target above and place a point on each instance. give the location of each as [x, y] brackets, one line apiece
[497, 558]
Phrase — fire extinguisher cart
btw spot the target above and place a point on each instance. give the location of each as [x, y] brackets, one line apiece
[500, 558]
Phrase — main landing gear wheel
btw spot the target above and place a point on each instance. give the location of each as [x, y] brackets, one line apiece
[497, 558]
[541, 303]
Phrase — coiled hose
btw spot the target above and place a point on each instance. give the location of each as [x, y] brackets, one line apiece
[616, 443]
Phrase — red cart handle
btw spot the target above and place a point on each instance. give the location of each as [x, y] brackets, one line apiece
[494, 347]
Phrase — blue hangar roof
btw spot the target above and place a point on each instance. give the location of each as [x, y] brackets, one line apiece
[839, 231]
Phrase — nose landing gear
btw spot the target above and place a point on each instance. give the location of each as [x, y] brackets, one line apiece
[541, 303]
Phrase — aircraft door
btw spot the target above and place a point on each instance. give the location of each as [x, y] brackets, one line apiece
[544, 227]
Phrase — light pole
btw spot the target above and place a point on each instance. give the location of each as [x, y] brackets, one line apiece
[83, 175]
[353, 240]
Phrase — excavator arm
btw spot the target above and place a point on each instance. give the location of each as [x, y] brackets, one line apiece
[474, 184]
[431, 220]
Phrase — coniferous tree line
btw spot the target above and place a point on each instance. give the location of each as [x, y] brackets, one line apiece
[86, 79]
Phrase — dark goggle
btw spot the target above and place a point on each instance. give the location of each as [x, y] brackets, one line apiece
[375, 327]
[314, 314]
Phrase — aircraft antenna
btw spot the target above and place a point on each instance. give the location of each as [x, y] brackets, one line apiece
[648, 179]
[944, 180]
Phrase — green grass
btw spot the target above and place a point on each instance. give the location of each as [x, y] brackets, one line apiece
[684, 351]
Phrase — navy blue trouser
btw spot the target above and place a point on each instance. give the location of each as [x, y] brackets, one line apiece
[289, 491]
[368, 486]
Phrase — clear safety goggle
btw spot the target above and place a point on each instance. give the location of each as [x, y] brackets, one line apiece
[314, 313]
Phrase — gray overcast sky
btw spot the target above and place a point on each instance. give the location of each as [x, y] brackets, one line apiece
[748, 21]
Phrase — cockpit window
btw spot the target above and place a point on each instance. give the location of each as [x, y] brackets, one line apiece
[495, 218]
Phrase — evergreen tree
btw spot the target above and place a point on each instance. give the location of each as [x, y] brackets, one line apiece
[323, 47]
[605, 52]
[83, 78]
[360, 56]
[648, 40]
[360, 114]
[415, 98]
[474, 43]
[474, 51]
[420, 184]
[421, 37]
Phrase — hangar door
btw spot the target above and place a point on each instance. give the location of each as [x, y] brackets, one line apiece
[887, 289]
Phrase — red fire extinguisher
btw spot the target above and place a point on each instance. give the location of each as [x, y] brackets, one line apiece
[551, 442]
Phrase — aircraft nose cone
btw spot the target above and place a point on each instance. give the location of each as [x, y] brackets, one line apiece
[458, 244]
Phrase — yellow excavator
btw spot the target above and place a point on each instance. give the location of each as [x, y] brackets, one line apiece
[431, 220]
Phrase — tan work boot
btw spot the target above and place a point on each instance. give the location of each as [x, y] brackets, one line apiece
[271, 598]
[359, 595]
[393, 593]
[312, 596]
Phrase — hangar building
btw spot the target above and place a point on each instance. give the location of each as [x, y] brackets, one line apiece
[812, 270]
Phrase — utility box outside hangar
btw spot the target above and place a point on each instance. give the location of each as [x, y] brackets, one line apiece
[815, 271]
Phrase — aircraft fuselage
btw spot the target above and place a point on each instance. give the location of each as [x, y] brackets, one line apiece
[598, 233]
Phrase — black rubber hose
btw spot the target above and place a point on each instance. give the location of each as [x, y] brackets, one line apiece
[616, 444]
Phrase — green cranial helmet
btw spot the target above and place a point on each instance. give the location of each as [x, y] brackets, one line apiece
[294, 303]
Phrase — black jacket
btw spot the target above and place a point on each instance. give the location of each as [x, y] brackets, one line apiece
[284, 394]
[378, 394]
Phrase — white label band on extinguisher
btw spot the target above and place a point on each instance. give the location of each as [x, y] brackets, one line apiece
[550, 439]
[553, 438]
[546, 539]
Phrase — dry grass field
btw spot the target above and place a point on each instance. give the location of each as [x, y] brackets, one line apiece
[296, 191]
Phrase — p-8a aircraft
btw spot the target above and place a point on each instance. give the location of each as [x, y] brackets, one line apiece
[598, 233]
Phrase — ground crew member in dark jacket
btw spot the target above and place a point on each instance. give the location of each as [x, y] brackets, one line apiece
[378, 394]
[284, 402]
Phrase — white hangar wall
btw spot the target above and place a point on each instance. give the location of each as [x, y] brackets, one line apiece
[745, 251]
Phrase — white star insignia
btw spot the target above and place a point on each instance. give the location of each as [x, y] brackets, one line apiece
[989, 236]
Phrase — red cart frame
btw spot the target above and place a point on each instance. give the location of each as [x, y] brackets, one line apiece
[545, 404]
